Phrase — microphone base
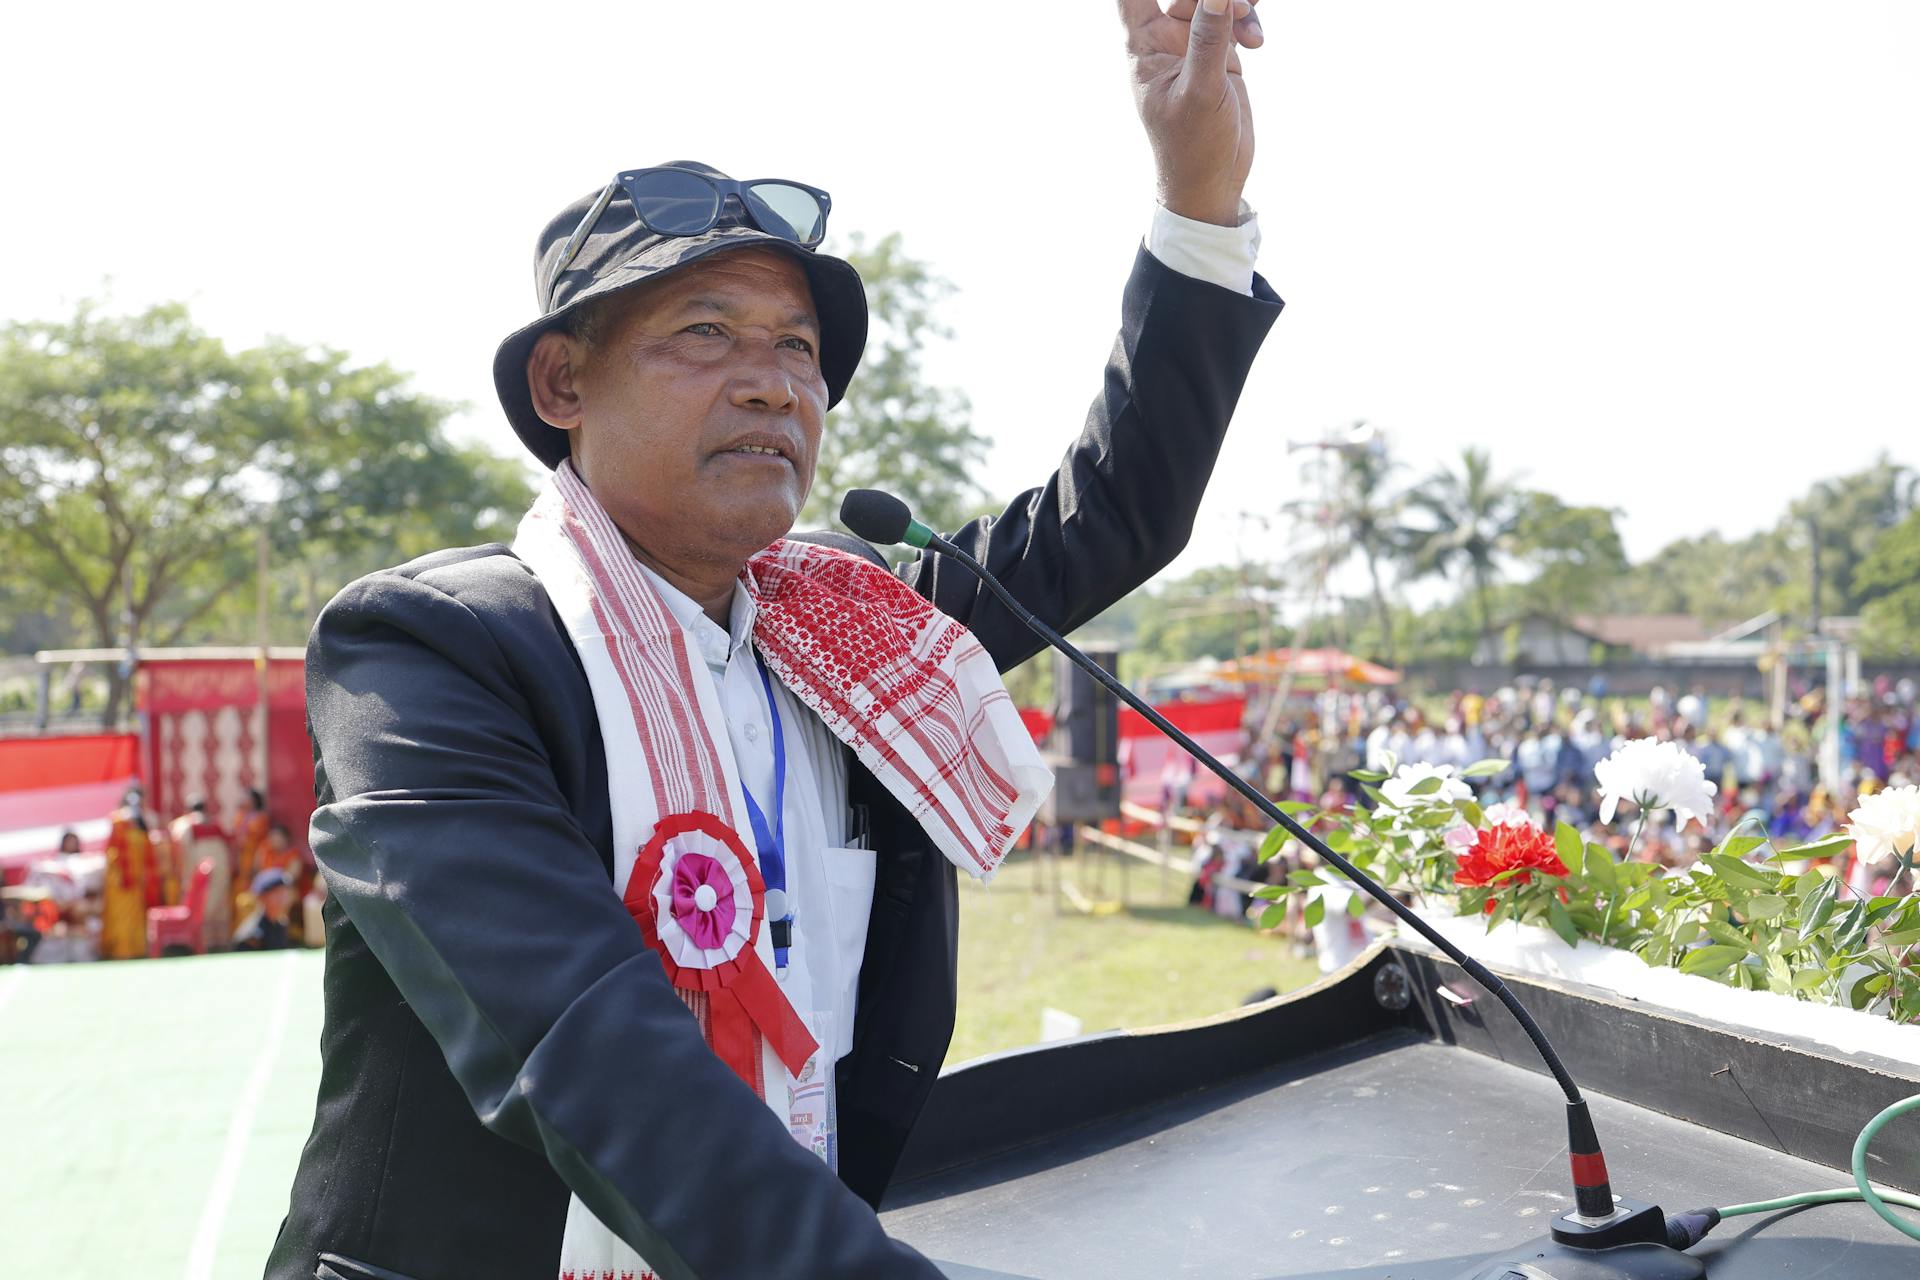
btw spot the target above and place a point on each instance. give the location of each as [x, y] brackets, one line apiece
[1548, 1259]
[1631, 1245]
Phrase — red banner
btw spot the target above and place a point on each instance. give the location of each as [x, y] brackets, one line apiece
[199, 684]
[29, 764]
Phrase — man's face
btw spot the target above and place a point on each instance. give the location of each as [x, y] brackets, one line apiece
[697, 413]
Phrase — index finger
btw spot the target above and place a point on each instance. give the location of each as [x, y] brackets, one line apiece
[1138, 13]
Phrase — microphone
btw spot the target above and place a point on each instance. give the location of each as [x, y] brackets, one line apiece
[1635, 1233]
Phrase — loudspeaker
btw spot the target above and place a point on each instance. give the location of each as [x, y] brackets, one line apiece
[1084, 745]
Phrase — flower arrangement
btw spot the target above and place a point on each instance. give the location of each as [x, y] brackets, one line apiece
[1749, 914]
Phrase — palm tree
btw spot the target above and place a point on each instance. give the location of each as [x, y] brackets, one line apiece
[1368, 515]
[1472, 518]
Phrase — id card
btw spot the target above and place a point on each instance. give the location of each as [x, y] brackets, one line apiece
[810, 1102]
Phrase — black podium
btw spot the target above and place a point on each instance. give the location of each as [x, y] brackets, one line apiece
[1391, 1122]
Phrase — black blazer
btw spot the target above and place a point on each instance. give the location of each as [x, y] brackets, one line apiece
[496, 1032]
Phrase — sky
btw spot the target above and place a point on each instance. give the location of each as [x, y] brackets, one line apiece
[1660, 257]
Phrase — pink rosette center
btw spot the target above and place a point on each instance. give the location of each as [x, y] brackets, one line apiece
[707, 918]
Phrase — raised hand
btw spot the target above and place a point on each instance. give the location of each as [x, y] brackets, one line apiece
[1193, 101]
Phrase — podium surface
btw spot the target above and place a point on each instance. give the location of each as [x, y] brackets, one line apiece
[1372, 1142]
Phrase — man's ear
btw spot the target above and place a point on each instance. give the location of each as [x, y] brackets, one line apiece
[553, 368]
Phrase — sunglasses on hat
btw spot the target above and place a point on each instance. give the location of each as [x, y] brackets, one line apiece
[680, 202]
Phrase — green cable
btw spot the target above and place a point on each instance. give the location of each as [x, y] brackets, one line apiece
[1867, 1192]
[1862, 1190]
[1839, 1195]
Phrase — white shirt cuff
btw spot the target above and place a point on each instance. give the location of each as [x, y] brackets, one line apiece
[1205, 250]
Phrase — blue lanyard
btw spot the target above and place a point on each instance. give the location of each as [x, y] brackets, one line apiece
[770, 840]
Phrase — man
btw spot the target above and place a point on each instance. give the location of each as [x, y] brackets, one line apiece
[511, 1076]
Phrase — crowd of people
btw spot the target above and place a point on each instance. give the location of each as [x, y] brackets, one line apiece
[1766, 775]
[196, 884]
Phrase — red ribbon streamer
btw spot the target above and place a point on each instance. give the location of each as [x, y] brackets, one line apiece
[745, 1003]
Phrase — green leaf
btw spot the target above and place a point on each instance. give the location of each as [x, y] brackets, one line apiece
[1489, 768]
[1779, 975]
[1599, 869]
[1566, 843]
[1739, 846]
[1765, 906]
[1426, 786]
[1738, 873]
[1271, 891]
[1722, 932]
[1851, 930]
[1340, 841]
[1817, 908]
[1471, 812]
[1294, 808]
[1275, 841]
[1562, 922]
[1367, 775]
[1822, 849]
[1687, 932]
[1808, 979]
[1904, 938]
[1710, 962]
[1357, 905]
[1303, 878]
[1273, 917]
[1316, 910]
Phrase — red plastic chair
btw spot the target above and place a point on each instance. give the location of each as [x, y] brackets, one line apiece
[182, 926]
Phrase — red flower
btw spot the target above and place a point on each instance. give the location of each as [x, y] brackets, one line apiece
[1521, 847]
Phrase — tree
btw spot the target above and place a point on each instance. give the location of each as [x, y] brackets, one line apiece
[1847, 514]
[1368, 515]
[1223, 611]
[1576, 552]
[140, 458]
[1888, 585]
[1472, 525]
[894, 431]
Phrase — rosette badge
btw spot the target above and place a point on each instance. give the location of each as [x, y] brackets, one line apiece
[700, 904]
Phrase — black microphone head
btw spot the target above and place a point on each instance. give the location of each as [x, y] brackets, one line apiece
[876, 516]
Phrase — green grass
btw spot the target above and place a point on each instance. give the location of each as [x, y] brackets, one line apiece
[1024, 947]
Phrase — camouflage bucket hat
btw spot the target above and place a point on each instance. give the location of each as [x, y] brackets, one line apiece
[620, 253]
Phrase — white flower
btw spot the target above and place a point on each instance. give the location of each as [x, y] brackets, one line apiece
[1654, 775]
[1399, 788]
[1886, 822]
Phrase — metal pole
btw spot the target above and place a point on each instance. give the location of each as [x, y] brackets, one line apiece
[1830, 746]
[262, 662]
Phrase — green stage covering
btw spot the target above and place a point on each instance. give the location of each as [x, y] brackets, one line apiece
[154, 1112]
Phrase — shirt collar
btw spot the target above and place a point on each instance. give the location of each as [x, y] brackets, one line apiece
[716, 647]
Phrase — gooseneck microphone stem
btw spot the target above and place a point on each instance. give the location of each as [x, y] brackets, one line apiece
[1598, 1222]
[1477, 971]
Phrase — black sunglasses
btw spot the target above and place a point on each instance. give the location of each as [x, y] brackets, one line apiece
[680, 202]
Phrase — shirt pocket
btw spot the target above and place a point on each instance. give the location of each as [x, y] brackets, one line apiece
[850, 877]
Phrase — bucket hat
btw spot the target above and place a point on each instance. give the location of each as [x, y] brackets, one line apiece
[620, 253]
